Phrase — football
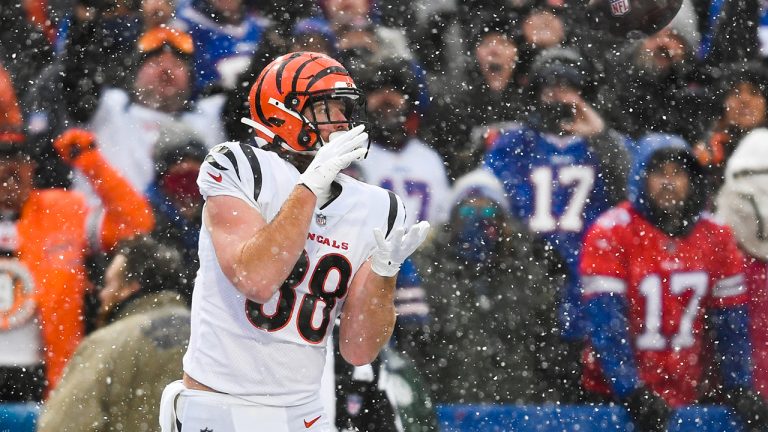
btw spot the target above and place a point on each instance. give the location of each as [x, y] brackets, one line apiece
[631, 18]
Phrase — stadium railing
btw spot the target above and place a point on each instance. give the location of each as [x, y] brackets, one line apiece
[16, 417]
[580, 418]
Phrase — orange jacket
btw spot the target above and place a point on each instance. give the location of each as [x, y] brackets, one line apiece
[54, 241]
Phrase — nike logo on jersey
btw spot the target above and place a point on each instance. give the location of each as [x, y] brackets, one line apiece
[308, 424]
[216, 178]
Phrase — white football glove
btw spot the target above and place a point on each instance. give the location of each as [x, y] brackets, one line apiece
[390, 253]
[343, 148]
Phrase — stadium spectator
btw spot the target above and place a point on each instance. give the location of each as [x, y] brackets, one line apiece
[116, 376]
[236, 98]
[410, 300]
[398, 160]
[126, 123]
[225, 36]
[24, 49]
[464, 121]
[157, 13]
[314, 34]
[127, 126]
[282, 14]
[541, 28]
[115, 26]
[441, 47]
[560, 171]
[728, 31]
[359, 14]
[653, 267]
[493, 336]
[47, 235]
[743, 203]
[743, 106]
[656, 85]
[387, 395]
[175, 197]
[364, 42]
[53, 102]
[404, 164]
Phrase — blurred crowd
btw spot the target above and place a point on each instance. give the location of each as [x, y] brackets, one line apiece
[543, 153]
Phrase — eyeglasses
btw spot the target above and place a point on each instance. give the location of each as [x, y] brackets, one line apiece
[160, 37]
[467, 211]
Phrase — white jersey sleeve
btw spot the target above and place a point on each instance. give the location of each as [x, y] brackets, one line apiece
[231, 169]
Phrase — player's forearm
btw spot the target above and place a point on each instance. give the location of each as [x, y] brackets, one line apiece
[266, 259]
[368, 320]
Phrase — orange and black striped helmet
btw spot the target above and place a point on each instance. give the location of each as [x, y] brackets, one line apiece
[288, 85]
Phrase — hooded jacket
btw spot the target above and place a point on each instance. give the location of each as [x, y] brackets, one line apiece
[655, 148]
[625, 252]
[743, 203]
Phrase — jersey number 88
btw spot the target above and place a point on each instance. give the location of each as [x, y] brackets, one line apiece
[285, 304]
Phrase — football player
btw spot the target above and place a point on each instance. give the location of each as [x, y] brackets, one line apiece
[650, 268]
[287, 245]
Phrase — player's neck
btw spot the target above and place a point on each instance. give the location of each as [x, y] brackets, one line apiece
[300, 161]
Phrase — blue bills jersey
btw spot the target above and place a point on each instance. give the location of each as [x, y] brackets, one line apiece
[554, 183]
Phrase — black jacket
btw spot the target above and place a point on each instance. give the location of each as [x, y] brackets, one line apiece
[494, 337]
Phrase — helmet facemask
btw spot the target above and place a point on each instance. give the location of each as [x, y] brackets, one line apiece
[353, 110]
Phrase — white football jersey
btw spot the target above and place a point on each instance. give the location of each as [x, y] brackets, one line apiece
[273, 354]
[417, 174]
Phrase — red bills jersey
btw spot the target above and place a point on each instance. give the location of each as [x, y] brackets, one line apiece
[669, 282]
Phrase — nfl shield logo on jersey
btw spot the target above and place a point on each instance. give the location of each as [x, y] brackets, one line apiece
[619, 7]
[320, 219]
